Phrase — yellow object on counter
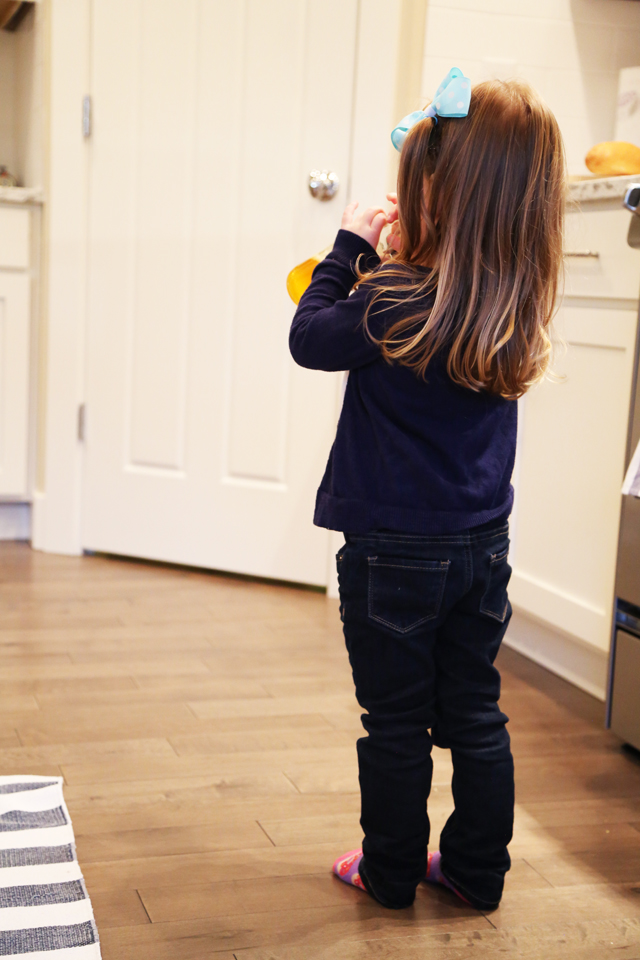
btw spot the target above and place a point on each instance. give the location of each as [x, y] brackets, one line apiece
[300, 277]
[613, 158]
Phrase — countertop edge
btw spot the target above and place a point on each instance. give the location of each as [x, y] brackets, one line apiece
[20, 195]
[601, 188]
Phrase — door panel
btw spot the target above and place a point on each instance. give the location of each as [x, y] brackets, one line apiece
[205, 444]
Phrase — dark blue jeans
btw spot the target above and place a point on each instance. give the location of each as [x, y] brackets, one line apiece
[423, 621]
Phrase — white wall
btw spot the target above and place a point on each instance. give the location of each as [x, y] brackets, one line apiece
[569, 50]
[8, 145]
[21, 99]
[29, 97]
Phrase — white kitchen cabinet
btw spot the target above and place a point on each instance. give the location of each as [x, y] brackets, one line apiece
[15, 352]
[573, 431]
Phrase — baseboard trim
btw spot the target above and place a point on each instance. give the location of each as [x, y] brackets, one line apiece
[572, 615]
[580, 663]
[15, 521]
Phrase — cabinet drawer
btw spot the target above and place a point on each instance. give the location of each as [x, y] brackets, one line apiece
[615, 271]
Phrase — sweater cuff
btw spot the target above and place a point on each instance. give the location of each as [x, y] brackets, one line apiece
[349, 246]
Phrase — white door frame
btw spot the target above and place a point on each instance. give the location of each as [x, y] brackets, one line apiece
[384, 26]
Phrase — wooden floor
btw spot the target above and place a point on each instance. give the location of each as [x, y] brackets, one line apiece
[205, 729]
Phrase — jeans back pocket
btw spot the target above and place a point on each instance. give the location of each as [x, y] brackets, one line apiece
[403, 594]
[495, 601]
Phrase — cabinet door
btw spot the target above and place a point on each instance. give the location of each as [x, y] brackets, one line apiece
[14, 383]
[571, 464]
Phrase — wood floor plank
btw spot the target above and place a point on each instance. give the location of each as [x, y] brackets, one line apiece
[306, 736]
[71, 607]
[15, 660]
[65, 687]
[579, 902]
[582, 812]
[117, 907]
[341, 829]
[221, 634]
[218, 866]
[150, 842]
[119, 668]
[233, 897]
[314, 778]
[212, 789]
[292, 687]
[319, 777]
[86, 650]
[36, 620]
[149, 811]
[309, 721]
[37, 769]
[565, 869]
[280, 706]
[524, 875]
[102, 751]
[599, 837]
[9, 738]
[228, 764]
[199, 808]
[198, 800]
[265, 666]
[129, 691]
[561, 778]
[105, 722]
[18, 703]
[575, 743]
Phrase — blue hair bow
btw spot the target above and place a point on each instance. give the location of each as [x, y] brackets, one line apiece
[451, 100]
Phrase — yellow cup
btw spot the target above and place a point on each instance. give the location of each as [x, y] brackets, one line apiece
[300, 277]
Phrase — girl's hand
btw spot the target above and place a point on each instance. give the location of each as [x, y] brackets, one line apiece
[367, 224]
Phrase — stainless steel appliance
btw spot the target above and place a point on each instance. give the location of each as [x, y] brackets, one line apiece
[623, 701]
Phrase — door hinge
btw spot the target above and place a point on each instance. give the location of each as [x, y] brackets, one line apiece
[86, 116]
[82, 422]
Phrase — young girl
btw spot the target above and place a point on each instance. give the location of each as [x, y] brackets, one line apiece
[439, 341]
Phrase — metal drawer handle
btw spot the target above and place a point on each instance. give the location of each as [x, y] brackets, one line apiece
[592, 254]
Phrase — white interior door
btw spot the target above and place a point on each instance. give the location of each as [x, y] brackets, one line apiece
[204, 442]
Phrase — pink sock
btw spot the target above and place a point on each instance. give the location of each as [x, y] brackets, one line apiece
[347, 866]
[435, 874]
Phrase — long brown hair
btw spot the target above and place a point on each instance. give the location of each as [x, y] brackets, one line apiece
[480, 204]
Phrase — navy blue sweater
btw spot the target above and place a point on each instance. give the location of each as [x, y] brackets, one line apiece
[411, 455]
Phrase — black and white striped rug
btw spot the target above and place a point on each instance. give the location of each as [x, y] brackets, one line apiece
[45, 910]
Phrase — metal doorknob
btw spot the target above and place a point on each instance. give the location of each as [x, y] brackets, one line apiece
[323, 184]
